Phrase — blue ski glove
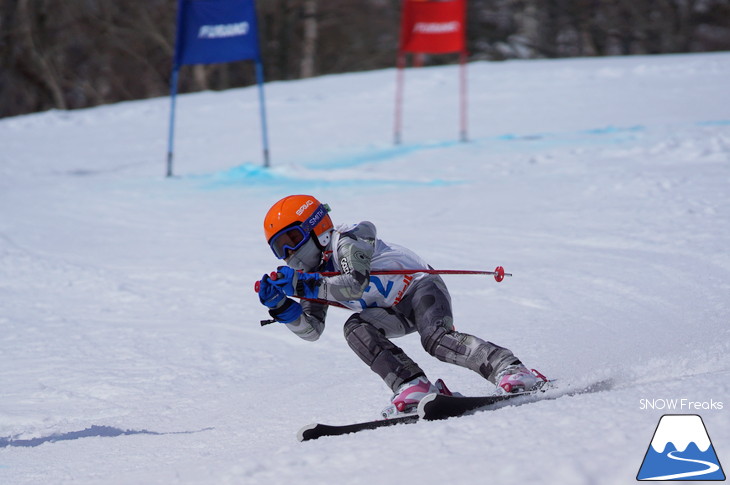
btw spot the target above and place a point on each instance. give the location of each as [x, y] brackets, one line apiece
[270, 295]
[281, 308]
[289, 312]
[308, 285]
[286, 280]
[296, 283]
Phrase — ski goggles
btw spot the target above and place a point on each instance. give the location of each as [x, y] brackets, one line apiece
[294, 237]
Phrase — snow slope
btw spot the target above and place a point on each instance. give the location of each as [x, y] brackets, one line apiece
[130, 345]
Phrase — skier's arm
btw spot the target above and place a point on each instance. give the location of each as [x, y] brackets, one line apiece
[354, 251]
[305, 319]
[310, 324]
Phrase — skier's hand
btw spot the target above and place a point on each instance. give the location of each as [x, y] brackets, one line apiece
[287, 313]
[270, 295]
[286, 279]
[308, 285]
[296, 283]
[281, 308]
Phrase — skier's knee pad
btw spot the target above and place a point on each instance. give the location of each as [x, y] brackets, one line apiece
[432, 338]
[448, 345]
[361, 338]
[351, 325]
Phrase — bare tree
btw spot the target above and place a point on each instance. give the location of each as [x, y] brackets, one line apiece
[309, 44]
[70, 54]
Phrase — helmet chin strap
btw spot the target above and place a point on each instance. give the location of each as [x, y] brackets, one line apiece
[323, 243]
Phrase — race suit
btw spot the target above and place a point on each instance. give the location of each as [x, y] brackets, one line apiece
[389, 306]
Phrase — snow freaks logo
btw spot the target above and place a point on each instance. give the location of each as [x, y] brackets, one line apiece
[680, 450]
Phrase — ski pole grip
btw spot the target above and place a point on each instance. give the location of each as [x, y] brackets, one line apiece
[257, 286]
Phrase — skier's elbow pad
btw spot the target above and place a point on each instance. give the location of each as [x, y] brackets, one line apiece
[358, 284]
[311, 337]
[355, 291]
[307, 328]
[306, 333]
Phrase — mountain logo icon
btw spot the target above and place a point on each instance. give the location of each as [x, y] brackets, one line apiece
[681, 450]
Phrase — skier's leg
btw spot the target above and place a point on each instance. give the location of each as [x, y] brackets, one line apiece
[366, 332]
[429, 306]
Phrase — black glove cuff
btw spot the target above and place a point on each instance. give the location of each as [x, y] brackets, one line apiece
[275, 312]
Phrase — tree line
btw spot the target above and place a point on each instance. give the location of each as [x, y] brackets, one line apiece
[67, 54]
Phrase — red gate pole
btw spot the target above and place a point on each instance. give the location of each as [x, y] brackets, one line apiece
[400, 65]
[463, 94]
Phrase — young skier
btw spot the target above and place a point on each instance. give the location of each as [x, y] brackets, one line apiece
[300, 231]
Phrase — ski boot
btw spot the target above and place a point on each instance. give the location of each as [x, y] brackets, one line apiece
[409, 394]
[518, 378]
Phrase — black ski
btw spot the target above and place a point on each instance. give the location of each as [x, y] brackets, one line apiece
[436, 409]
[317, 430]
[430, 408]
[438, 406]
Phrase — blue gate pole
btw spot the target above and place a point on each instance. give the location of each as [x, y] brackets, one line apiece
[171, 135]
[262, 106]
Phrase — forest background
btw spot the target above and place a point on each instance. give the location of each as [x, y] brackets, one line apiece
[66, 54]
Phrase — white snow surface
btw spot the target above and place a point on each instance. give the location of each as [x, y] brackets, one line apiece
[130, 344]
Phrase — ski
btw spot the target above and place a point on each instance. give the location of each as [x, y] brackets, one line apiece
[430, 408]
[317, 430]
[439, 406]
[436, 409]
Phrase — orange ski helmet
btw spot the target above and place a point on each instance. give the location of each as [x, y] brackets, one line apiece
[290, 223]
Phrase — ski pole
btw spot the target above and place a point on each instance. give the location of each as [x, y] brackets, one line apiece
[498, 274]
[269, 321]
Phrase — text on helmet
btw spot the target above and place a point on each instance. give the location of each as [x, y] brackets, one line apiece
[304, 207]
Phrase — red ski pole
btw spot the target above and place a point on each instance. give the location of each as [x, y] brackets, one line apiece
[498, 274]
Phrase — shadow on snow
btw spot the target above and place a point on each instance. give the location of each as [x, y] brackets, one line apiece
[92, 432]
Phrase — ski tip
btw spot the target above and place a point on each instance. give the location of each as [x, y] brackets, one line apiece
[424, 402]
[303, 434]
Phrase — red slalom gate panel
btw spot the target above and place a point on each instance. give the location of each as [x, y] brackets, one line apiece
[433, 27]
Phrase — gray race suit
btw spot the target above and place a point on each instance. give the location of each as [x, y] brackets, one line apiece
[389, 306]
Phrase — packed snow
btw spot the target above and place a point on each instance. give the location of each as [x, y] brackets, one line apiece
[130, 344]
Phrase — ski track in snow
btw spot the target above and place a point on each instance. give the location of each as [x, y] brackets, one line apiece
[130, 348]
